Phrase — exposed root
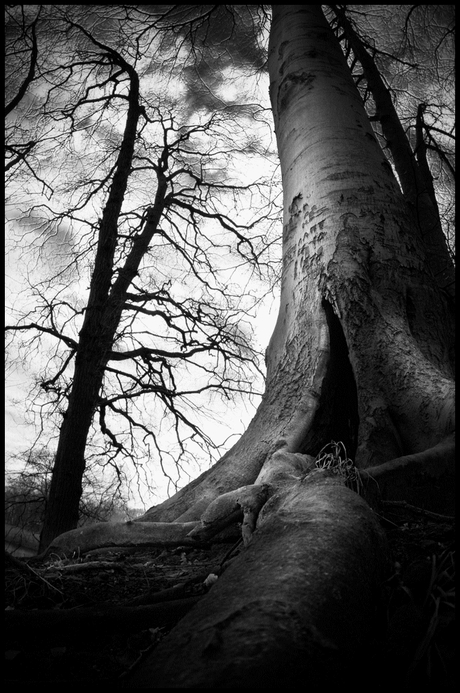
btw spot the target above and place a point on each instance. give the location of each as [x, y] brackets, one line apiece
[425, 478]
[242, 503]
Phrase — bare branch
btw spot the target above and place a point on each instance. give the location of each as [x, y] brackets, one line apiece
[46, 330]
[31, 72]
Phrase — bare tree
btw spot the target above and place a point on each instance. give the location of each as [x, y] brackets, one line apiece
[21, 61]
[161, 317]
[27, 491]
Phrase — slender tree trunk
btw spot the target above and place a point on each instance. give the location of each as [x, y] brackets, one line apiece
[62, 511]
[95, 342]
[95, 345]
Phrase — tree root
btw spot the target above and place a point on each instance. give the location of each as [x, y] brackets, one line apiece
[419, 478]
[244, 502]
[297, 604]
[106, 534]
[424, 479]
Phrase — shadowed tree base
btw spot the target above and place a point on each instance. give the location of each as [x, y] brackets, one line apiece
[298, 604]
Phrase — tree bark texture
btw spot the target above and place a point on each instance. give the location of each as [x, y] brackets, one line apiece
[414, 174]
[361, 351]
[350, 244]
[295, 607]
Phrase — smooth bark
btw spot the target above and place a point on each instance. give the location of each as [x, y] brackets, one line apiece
[351, 244]
[362, 348]
[295, 607]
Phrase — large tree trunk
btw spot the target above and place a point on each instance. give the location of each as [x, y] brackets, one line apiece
[360, 354]
[361, 349]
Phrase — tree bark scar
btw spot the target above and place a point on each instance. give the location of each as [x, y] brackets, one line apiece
[294, 207]
[291, 80]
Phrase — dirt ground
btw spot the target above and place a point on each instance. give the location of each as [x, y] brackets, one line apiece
[91, 619]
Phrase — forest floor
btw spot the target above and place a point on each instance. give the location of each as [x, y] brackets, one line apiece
[91, 619]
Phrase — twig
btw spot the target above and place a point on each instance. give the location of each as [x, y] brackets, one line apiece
[91, 565]
[20, 565]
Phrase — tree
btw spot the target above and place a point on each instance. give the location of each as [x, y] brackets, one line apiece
[107, 357]
[362, 355]
[27, 491]
[356, 284]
